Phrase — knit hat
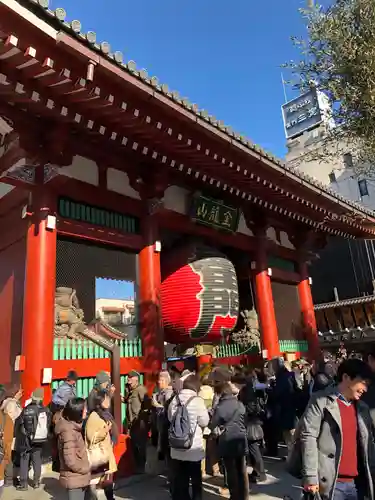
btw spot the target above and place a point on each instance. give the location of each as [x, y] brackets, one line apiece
[133, 373]
[72, 375]
[220, 375]
[103, 378]
[38, 395]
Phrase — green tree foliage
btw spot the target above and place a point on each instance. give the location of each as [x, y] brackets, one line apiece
[339, 56]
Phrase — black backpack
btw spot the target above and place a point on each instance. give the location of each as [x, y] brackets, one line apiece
[180, 433]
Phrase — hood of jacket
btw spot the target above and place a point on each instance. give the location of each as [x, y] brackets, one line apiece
[64, 425]
[206, 392]
[186, 394]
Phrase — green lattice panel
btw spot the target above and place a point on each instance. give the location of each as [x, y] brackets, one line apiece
[85, 349]
[232, 349]
[97, 216]
[293, 345]
[85, 385]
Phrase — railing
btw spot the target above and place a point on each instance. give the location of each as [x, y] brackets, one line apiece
[232, 349]
[229, 350]
[293, 345]
[85, 349]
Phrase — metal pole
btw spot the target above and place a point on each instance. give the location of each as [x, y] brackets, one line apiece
[284, 89]
[116, 380]
[354, 271]
[369, 261]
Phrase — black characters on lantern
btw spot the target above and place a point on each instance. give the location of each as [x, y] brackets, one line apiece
[218, 297]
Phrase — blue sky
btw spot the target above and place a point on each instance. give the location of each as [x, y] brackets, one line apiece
[223, 55]
[113, 289]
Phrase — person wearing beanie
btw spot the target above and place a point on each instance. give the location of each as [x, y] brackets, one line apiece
[102, 383]
[32, 432]
[137, 418]
[65, 392]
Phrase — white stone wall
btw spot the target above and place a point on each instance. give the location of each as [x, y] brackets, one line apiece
[306, 153]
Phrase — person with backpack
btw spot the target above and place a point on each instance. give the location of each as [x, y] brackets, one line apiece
[334, 450]
[188, 417]
[32, 432]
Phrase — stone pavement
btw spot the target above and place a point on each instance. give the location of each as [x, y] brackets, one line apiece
[152, 487]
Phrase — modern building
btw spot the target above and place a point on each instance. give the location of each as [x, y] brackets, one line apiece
[345, 268]
[115, 312]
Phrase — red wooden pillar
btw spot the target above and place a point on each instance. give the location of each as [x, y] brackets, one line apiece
[39, 295]
[149, 301]
[265, 304]
[307, 310]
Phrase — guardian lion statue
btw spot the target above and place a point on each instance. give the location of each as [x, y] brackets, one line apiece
[69, 318]
[250, 333]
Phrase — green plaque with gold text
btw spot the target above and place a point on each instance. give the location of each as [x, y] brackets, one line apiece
[214, 214]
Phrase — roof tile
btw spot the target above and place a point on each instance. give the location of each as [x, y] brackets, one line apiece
[75, 28]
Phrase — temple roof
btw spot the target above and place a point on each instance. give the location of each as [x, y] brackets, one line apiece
[345, 303]
[345, 217]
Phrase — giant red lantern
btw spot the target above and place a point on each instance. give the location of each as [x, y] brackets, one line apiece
[199, 295]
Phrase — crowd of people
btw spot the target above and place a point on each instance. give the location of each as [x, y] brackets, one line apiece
[216, 426]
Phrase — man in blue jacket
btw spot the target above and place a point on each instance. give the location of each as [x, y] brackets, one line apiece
[65, 392]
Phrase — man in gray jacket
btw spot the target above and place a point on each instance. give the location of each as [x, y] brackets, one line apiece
[334, 452]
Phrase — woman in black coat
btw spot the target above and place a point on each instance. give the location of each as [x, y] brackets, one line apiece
[254, 399]
[228, 420]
